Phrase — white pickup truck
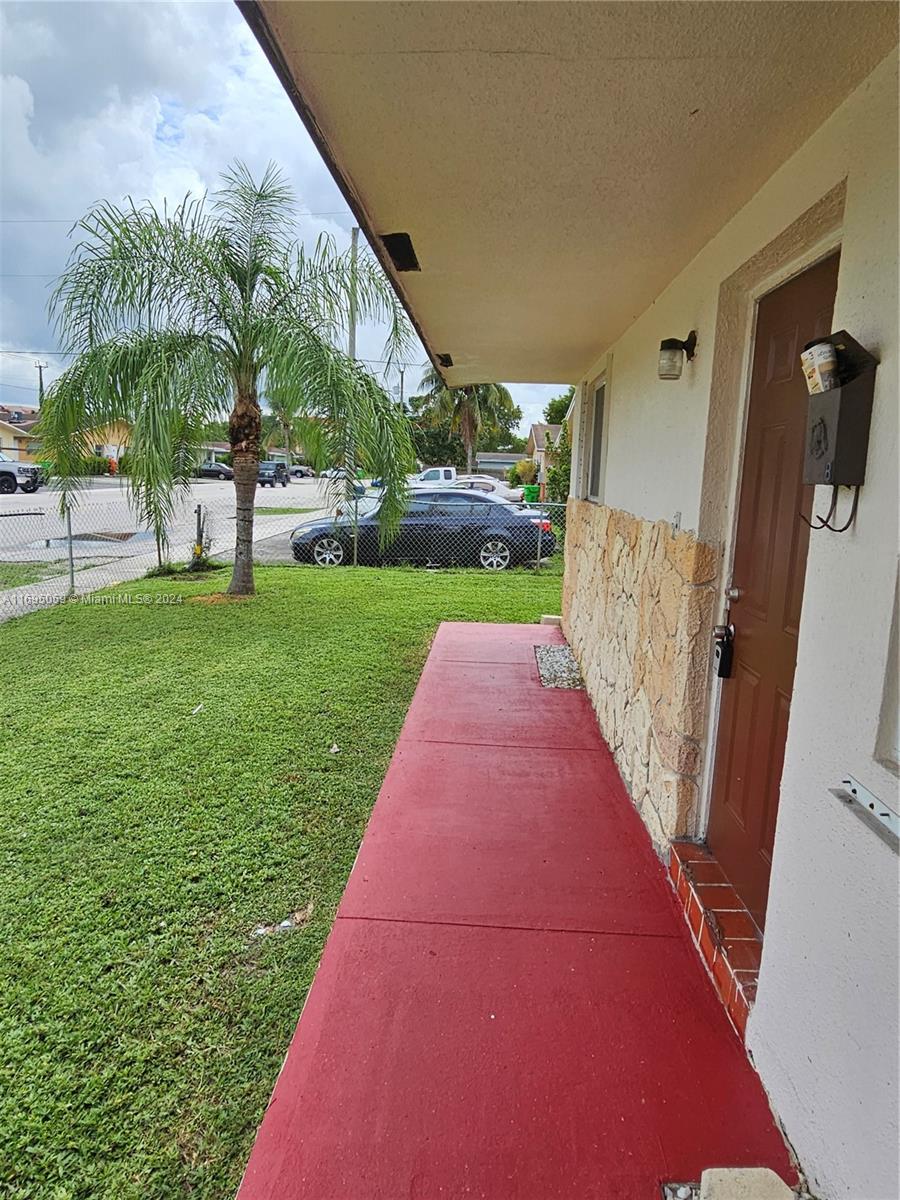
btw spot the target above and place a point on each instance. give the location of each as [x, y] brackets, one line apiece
[13, 474]
[435, 476]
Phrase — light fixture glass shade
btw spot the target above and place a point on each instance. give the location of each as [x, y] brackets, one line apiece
[671, 360]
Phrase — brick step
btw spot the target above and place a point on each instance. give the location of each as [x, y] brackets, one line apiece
[723, 930]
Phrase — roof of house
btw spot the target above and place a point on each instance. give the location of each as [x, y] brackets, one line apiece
[24, 413]
[627, 139]
[537, 435]
[498, 456]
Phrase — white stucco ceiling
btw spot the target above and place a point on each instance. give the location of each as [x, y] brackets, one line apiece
[556, 164]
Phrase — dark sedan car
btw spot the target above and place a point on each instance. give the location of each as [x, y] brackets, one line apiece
[215, 470]
[271, 472]
[444, 528]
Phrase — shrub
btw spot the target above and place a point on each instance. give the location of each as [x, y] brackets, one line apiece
[559, 474]
[95, 464]
[526, 471]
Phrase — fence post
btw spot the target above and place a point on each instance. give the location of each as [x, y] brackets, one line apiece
[71, 552]
[540, 536]
[356, 531]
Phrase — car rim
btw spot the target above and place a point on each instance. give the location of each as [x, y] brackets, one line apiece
[328, 552]
[494, 556]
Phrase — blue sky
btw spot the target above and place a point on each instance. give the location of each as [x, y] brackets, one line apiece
[104, 100]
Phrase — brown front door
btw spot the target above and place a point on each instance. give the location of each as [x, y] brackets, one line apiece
[769, 569]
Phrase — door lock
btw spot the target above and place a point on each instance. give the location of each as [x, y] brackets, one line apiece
[733, 593]
[724, 651]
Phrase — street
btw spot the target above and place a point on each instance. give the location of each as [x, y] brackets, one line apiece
[110, 544]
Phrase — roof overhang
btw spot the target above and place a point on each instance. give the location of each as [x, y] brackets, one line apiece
[556, 165]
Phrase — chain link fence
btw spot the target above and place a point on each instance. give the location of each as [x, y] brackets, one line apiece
[48, 555]
[452, 529]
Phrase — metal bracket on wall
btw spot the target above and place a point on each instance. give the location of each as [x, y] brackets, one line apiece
[874, 812]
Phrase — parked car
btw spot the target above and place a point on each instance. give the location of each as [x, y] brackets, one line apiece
[25, 476]
[215, 470]
[490, 487]
[442, 527]
[302, 471]
[271, 472]
[440, 476]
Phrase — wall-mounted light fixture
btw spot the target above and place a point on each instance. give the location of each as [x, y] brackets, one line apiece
[673, 352]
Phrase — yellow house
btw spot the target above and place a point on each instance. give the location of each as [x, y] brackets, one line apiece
[18, 443]
[663, 205]
[108, 441]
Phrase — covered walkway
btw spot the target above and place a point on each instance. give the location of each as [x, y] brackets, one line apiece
[508, 1005]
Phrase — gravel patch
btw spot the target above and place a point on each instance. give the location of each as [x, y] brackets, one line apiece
[557, 667]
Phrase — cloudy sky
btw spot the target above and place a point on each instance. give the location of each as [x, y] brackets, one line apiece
[151, 100]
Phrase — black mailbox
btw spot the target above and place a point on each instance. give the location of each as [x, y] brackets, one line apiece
[837, 429]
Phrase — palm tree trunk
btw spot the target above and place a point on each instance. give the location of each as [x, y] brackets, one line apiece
[469, 433]
[243, 432]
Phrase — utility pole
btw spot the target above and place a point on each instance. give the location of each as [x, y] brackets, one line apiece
[40, 370]
[402, 373]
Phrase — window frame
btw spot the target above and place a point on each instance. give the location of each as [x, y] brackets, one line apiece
[596, 441]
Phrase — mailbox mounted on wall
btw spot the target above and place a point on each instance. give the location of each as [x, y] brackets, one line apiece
[837, 428]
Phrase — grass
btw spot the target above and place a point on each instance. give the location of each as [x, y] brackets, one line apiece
[19, 574]
[276, 512]
[167, 788]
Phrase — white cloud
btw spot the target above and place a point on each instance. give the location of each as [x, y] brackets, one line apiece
[102, 101]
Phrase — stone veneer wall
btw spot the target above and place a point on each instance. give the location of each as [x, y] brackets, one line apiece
[638, 604]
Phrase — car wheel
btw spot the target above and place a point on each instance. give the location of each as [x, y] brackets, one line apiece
[222, 475]
[328, 552]
[7, 485]
[495, 555]
[28, 488]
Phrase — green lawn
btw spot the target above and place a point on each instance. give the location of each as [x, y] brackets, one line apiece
[18, 574]
[144, 838]
[274, 511]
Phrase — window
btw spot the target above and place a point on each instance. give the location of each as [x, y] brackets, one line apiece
[429, 475]
[420, 508]
[595, 467]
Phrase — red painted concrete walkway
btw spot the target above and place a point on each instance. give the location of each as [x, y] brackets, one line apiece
[508, 1005]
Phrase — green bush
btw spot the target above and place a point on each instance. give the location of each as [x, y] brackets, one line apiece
[95, 464]
[559, 474]
[525, 472]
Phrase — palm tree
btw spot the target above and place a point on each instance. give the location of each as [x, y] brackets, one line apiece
[281, 425]
[469, 409]
[176, 317]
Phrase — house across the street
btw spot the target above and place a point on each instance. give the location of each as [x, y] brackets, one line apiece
[496, 463]
[540, 444]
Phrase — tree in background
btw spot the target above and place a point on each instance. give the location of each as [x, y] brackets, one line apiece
[555, 412]
[503, 436]
[434, 441]
[169, 313]
[468, 409]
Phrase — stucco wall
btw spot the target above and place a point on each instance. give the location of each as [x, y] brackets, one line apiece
[637, 609]
[824, 1031]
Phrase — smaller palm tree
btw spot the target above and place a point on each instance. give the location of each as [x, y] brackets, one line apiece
[173, 316]
[469, 409]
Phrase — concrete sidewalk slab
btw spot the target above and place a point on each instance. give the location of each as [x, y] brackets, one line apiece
[494, 840]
